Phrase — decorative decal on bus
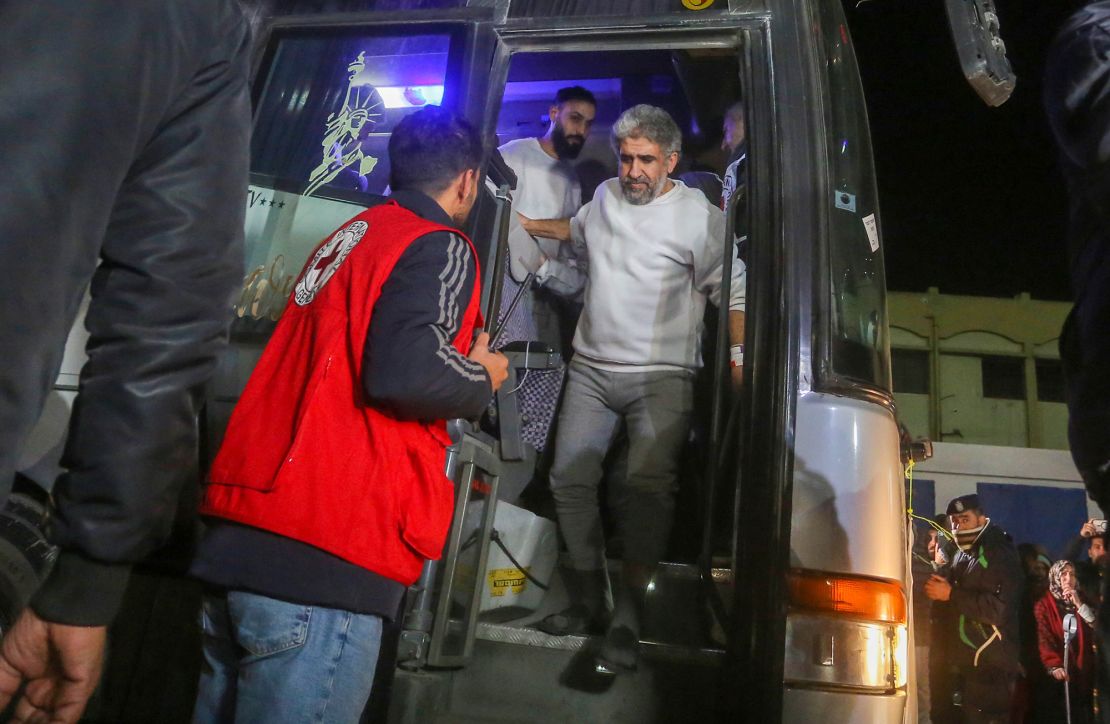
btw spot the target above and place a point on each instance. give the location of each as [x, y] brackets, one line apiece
[347, 130]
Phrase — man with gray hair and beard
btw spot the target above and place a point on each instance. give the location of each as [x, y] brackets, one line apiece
[656, 249]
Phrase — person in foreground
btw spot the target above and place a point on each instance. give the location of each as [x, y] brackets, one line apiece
[329, 492]
[124, 141]
[1077, 103]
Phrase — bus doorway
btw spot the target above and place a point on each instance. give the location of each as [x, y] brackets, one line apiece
[697, 88]
[683, 638]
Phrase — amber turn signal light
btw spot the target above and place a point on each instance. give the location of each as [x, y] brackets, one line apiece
[866, 598]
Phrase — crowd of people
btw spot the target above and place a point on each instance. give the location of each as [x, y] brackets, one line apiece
[991, 618]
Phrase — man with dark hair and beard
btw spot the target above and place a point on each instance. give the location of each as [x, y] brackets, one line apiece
[547, 187]
[656, 250]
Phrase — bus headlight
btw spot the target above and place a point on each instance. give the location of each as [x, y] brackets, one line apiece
[846, 632]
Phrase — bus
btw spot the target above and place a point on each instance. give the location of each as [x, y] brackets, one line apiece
[785, 592]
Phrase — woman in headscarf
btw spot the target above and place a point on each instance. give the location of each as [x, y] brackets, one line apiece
[1063, 597]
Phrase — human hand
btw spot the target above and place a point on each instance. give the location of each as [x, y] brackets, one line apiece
[60, 663]
[496, 364]
[1059, 674]
[1073, 595]
[525, 254]
[937, 588]
[534, 263]
[1088, 529]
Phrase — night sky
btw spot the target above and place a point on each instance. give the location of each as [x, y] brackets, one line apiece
[971, 199]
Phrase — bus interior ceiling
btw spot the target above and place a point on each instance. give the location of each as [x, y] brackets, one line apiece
[695, 86]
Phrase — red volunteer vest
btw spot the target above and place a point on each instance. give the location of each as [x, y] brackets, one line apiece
[304, 455]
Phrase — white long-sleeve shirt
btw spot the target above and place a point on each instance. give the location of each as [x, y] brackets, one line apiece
[547, 188]
[652, 267]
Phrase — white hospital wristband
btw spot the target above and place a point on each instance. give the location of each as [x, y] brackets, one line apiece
[736, 355]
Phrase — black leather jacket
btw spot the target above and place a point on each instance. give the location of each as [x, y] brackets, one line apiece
[1077, 99]
[124, 139]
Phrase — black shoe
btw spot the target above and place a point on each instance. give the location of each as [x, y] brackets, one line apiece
[573, 620]
[620, 652]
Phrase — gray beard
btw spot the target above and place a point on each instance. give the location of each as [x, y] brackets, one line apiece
[642, 198]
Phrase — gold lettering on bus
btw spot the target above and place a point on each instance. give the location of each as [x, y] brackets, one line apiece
[266, 289]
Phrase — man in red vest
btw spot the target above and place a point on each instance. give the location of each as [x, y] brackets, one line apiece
[329, 492]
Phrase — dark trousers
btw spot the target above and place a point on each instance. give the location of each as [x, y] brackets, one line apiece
[986, 695]
[655, 407]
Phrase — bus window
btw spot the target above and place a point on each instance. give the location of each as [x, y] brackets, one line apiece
[858, 348]
[326, 104]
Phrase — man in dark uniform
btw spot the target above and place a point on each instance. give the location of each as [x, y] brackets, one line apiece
[982, 587]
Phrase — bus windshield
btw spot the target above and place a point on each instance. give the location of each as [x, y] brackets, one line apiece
[858, 349]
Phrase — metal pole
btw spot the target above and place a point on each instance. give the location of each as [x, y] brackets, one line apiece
[1070, 626]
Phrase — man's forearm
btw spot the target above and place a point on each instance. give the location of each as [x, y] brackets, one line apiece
[410, 366]
[735, 327]
[558, 229]
[736, 341]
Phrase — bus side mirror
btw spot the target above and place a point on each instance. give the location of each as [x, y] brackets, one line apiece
[974, 25]
[916, 450]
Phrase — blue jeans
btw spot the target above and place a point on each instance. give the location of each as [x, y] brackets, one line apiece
[270, 661]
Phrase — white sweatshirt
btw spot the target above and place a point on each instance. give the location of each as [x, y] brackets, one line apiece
[651, 269]
[547, 188]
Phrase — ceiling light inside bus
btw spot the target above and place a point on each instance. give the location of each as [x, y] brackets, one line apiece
[411, 96]
[545, 90]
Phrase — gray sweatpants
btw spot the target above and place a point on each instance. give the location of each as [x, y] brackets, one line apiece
[655, 407]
